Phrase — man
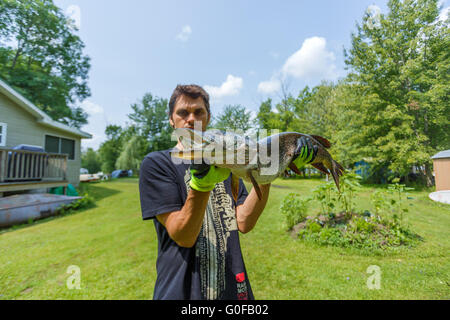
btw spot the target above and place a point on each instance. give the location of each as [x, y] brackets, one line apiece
[196, 219]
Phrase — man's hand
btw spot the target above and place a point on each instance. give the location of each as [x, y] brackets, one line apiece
[306, 152]
[204, 177]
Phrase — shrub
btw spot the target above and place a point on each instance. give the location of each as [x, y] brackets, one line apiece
[85, 202]
[380, 231]
[294, 209]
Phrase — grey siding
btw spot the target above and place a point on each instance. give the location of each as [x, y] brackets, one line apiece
[23, 128]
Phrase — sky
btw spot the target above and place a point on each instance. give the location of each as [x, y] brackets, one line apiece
[237, 50]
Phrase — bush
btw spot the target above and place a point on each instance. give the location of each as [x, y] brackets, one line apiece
[294, 209]
[85, 202]
[380, 231]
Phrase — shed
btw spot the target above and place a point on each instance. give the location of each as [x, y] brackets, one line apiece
[441, 164]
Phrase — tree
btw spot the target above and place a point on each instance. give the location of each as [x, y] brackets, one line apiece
[311, 112]
[265, 117]
[278, 117]
[400, 69]
[42, 58]
[150, 117]
[134, 151]
[90, 160]
[235, 118]
[110, 150]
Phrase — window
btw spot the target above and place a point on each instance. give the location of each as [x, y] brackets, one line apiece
[60, 145]
[3, 127]
[51, 144]
[68, 146]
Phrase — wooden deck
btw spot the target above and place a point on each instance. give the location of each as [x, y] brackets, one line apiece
[25, 170]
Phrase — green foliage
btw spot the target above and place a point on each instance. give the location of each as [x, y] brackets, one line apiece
[235, 118]
[392, 203]
[151, 120]
[149, 130]
[372, 234]
[91, 161]
[134, 151]
[382, 231]
[42, 58]
[331, 200]
[83, 203]
[349, 183]
[294, 209]
[109, 150]
[400, 70]
[311, 112]
[326, 195]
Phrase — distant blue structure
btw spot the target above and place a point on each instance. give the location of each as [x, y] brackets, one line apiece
[121, 173]
[362, 168]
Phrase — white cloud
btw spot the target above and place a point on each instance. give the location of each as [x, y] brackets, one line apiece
[311, 61]
[230, 87]
[268, 87]
[185, 34]
[91, 108]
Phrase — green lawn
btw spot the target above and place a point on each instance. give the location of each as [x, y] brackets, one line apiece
[116, 253]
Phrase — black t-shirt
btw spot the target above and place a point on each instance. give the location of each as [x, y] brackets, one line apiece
[214, 267]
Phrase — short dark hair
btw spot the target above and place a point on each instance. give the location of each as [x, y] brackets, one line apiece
[191, 90]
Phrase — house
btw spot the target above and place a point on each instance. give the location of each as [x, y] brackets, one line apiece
[21, 122]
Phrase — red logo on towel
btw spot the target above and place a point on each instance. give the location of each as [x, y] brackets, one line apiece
[240, 277]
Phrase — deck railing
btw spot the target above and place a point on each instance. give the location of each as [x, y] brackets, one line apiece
[23, 165]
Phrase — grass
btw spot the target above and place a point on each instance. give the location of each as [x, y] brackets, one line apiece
[116, 252]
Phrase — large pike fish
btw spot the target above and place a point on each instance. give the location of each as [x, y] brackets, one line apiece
[258, 162]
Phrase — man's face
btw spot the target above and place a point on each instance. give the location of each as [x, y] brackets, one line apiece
[187, 111]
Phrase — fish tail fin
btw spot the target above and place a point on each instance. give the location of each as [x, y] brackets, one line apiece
[340, 168]
[336, 171]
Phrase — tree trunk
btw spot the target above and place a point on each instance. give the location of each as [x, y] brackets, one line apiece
[16, 57]
[428, 175]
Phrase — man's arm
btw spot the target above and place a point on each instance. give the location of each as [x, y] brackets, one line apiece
[184, 226]
[248, 213]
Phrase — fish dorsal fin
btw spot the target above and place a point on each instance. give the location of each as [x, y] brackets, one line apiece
[322, 141]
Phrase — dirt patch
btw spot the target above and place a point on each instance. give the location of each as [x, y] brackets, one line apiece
[340, 218]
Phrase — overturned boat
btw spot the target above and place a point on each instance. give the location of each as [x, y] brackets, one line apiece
[23, 208]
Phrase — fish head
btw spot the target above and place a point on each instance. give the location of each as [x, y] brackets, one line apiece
[215, 146]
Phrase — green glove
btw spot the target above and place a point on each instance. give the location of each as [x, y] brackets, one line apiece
[204, 177]
[306, 152]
